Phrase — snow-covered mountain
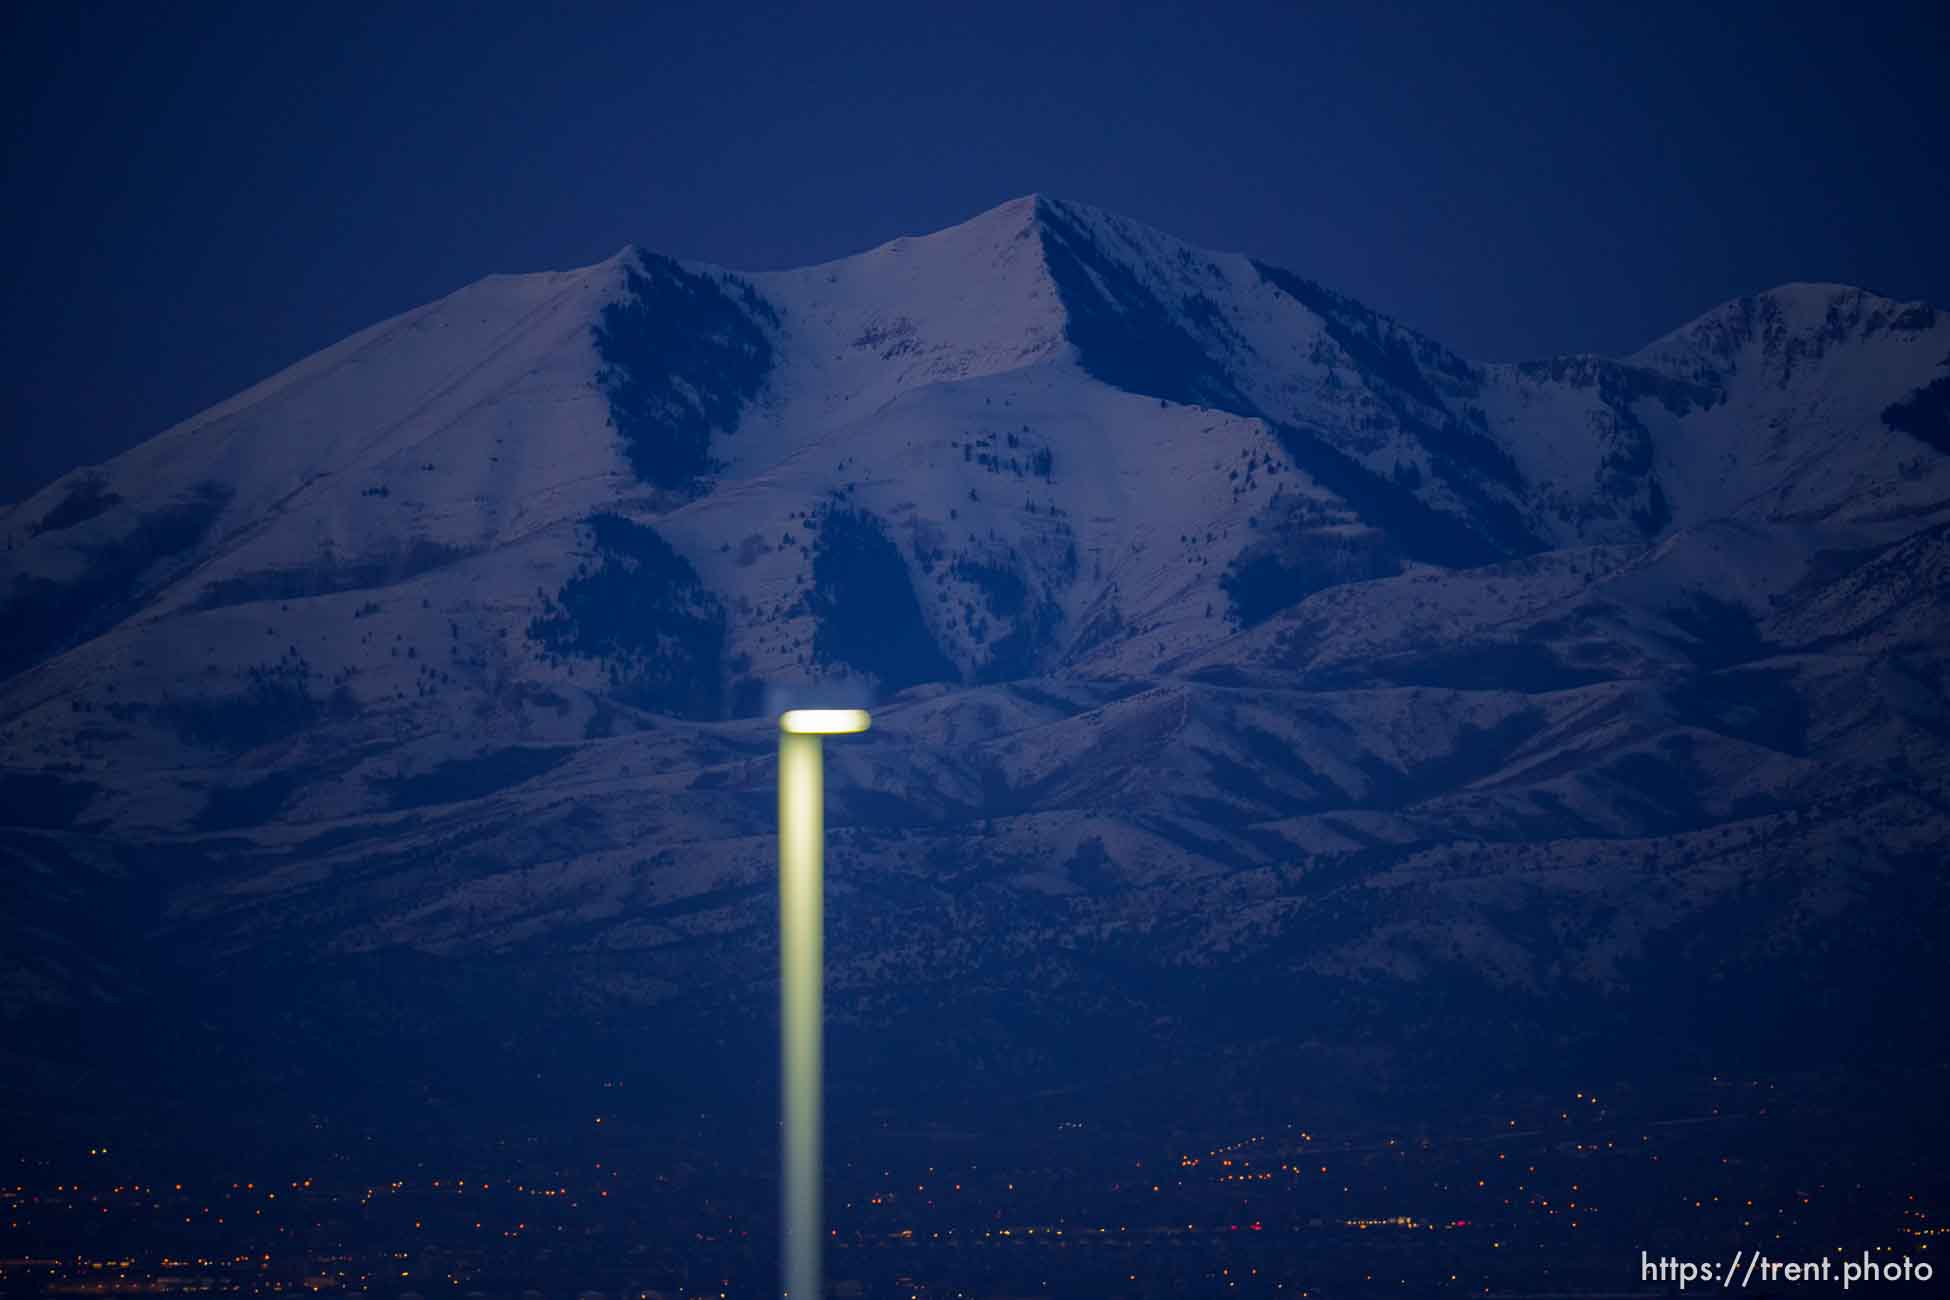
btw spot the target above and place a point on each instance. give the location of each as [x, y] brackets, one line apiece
[1239, 655]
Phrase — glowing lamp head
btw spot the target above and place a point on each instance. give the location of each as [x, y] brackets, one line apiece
[823, 722]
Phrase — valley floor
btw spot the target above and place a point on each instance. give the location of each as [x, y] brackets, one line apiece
[1573, 1195]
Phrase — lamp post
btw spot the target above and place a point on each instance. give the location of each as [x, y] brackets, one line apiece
[802, 921]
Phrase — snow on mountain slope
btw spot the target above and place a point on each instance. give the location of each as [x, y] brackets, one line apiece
[508, 352]
[1769, 407]
[1214, 623]
[1807, 371]
[964, 303]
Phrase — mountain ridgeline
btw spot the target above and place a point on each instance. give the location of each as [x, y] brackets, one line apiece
[1254, 678]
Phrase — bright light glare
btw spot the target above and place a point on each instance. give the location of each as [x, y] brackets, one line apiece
[823, 722]
[802, 832]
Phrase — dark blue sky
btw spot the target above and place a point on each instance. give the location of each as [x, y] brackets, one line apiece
[195, 198]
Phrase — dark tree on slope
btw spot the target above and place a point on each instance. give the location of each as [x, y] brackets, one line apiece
[1924, 414]
[869, 618]
[1260, 583]
[85, 500]
[682, 355]
[643, 612]
[42, 616]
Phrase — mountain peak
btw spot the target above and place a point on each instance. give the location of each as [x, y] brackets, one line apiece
[1194, 599]
[1082, 342]
[1779, 326]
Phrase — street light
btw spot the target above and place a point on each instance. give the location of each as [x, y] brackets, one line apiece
[802, 834]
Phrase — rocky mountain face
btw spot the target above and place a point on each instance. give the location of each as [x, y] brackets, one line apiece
[1260, 689]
